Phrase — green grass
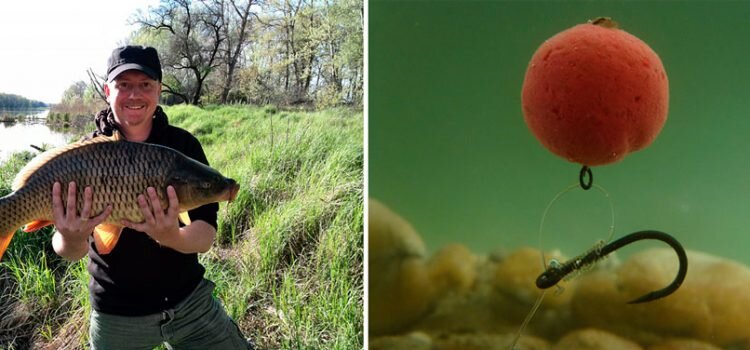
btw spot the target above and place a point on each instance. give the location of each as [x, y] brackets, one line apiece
[288, 258]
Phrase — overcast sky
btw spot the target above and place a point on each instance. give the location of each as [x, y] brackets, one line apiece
[46, 45]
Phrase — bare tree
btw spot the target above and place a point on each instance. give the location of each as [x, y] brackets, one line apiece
[97, 82]
[195, 38]
[174, 92]
[265, 51]
[238, 17]
[293, 24]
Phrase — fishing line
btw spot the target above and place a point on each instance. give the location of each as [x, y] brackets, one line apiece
[559, 195]
[562, 193]
[527, 319]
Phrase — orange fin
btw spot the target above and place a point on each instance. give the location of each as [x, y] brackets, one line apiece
[5, 241]
[36, 224]
[184, 218]
[105, 237]
[116, 136]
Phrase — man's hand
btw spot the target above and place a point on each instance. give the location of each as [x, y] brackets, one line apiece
[66, 218]
[71, 239]
[159, 224]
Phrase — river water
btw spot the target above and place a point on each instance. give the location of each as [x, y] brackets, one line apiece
[33, 130]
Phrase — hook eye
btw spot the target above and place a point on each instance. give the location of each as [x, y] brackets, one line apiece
[582, 178]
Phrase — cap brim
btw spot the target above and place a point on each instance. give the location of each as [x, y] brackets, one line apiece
[131, 66]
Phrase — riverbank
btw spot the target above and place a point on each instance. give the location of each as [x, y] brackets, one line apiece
[288, 259]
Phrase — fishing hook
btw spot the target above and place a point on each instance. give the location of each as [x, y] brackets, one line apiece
[555, 272]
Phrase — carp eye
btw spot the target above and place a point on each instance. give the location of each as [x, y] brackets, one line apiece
[205, 185]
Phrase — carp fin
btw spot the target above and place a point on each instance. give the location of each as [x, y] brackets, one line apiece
[42, 159]
[116, 136]
[105, 237]
[36, 225]
[5, 241]
[184, 218]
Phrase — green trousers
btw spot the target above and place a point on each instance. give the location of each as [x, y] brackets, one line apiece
[198, 322]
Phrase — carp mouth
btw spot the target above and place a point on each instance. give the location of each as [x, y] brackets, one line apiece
[231, 192]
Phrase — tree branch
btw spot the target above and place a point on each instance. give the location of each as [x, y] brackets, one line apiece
[98, 83]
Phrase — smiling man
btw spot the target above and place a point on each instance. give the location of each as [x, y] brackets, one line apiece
[150, 288]
[133, 89]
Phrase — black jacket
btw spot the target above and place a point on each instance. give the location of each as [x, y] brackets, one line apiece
[140, 277]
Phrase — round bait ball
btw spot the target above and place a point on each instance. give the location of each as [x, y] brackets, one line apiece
[594, 93]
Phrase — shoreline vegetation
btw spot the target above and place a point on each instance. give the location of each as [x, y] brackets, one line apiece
[59, 117]
[288, 257]
[18, 115]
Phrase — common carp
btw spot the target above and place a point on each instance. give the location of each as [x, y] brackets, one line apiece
[117, 171]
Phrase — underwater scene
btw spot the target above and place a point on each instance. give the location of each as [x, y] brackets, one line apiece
[558, 175]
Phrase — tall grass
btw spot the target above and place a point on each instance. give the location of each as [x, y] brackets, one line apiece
[288, 258]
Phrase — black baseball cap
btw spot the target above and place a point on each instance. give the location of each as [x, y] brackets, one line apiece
[142, 58]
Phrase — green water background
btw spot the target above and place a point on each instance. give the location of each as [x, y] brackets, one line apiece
[450, 152]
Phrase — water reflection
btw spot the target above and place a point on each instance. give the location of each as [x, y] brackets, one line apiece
[16, 136]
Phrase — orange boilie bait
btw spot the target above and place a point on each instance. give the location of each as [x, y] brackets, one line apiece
[594, 93]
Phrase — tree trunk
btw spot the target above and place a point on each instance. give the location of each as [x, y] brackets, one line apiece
[236, 51]
[198, 88]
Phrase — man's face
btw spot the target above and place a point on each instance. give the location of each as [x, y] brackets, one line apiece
[133, 96]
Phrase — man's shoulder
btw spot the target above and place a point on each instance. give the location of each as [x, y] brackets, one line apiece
[183, 141]
[178, 132]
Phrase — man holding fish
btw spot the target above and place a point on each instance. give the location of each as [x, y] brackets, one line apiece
[147, 286]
